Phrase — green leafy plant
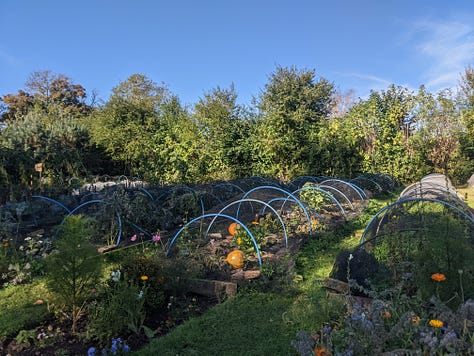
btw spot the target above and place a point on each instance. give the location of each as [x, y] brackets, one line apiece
[260, 230]
[120, 310]
[73, 270]
[26, 337]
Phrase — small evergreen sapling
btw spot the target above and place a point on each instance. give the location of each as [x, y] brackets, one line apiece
[73, 269]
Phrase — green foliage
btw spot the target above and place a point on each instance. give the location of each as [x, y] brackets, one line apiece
[293, 128]
[292, 107]
[314, 199]
[277, 276]
[52, 94]
[18, 310]
[442, 246]
[120, 311]
[382, 125]
[155, 267]
[260, 230]
[383, 328]
[26, 337]
[20, 256]
[73, 270]
[218, 117]
[335, 149]
[36, 138]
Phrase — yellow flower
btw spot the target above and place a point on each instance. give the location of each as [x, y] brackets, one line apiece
[255, 222]
[436, 323]
[438, 277]
[239, 241]
[144, 278]
[415, 319]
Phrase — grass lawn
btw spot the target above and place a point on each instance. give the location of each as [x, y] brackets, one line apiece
[468, 195]
[19, 310]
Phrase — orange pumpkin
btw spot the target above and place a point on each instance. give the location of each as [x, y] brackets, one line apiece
[233, 228]
[235, 259]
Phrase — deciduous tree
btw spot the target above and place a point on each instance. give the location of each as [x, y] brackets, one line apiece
[291, 106]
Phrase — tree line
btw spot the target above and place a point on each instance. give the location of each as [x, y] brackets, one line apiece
[297, 125]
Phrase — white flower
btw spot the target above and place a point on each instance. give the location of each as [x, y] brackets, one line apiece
[140, 295]
[115, 275]
[350, 257]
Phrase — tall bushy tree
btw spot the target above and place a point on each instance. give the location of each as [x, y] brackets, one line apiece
[224, 128]
[127, 121]
[383, 125]
[55, 95]
[292, 106]
[147, 132]
[335, 151]
[43, 125]
[438, 130]
[179, 146]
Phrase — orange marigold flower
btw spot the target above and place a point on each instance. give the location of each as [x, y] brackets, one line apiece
[387, 315]
[233, 228]
[436, 323]
[5, 243]
[144, 278]
[320, 351]
[438, 277]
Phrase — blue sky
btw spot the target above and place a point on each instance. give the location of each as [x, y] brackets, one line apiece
[193, 46]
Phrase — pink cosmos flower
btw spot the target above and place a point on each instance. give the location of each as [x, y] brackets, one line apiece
[156, 238]
[133, 238]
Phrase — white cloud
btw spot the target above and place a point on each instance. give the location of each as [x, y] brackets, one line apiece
[371, 78]
[363, 83]
[447, 48]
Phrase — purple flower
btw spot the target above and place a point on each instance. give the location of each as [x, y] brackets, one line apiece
[91, 351]
[326, 330]
[156, 238]
[133, 238]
